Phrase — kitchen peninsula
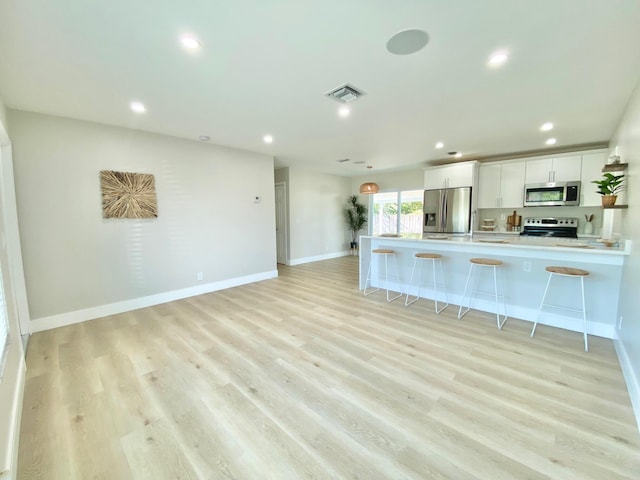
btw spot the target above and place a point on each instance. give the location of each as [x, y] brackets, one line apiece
[524, 276]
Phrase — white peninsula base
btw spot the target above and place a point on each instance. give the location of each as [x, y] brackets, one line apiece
[523, 275]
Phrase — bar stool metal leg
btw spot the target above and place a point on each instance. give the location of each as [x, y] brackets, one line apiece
[435, 287]
[535, 324]
[571, 273]
[584, 316]
[368, 281]
[464, 294]
[413, 271]
[494, 264]
[432, 257]
[495, 285]
[386, 276]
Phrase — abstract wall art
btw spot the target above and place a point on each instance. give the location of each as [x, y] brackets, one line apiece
[128, 195]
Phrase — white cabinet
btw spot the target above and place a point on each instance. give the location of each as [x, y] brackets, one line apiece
[501, 185]
[450, 176]
[592, 164]
[557, 169]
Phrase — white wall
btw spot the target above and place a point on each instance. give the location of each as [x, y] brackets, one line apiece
[391, 181]
[627, 138]
[317, 229]
[207, 221]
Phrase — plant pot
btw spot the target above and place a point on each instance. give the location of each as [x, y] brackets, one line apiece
[354, 248]
[609, 200]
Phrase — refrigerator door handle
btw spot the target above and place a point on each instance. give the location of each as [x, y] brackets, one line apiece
[443, 211]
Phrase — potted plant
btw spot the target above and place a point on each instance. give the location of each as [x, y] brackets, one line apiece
[356, 216]
[608, 187]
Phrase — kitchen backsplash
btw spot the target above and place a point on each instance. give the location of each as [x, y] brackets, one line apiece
[573, 212]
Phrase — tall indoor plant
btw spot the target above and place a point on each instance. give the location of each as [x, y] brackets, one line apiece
[356, 216]
[609, 187]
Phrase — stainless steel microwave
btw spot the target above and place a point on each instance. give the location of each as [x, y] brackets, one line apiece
[552, 194]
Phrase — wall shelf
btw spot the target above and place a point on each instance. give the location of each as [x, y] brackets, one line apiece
[615, 167]
[614, 207]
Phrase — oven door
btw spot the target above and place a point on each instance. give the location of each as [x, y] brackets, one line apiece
[561, 232]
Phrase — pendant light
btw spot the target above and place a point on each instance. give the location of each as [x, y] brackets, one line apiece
[369, 187]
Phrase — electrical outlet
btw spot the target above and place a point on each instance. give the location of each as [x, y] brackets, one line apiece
[200, 276]
[526, 266]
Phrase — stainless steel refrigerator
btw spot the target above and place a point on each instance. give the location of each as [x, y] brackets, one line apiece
[447, 210]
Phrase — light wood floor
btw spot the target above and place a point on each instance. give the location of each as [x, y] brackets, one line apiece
[302, 377]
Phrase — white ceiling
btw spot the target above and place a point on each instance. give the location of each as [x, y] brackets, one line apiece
[264, 66]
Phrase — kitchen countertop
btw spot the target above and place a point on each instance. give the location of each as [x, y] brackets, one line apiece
[583, 245]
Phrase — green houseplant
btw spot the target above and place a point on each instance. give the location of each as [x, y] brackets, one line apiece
[356, 216]
[609, 187]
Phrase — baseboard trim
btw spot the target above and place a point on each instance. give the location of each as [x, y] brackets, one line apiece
[77, 316]
[318, 258]
[630, 378]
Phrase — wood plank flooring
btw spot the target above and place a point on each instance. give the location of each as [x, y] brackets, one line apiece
[302, 377]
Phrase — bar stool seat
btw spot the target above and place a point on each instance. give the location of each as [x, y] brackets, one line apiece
[384, 253]
[423, 257]
[568, 272]
[494, 264]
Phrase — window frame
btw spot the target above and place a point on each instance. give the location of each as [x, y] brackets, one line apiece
[399, 209]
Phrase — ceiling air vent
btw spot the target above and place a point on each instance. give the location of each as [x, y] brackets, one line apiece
[345, 93]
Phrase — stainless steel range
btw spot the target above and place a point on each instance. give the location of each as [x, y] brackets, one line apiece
[550, 227]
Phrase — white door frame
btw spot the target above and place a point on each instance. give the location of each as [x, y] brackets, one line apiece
[12, 234]
[282, 234]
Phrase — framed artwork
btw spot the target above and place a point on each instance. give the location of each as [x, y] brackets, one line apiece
[128, 195]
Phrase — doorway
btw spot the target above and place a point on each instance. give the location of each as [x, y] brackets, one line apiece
[281, 223]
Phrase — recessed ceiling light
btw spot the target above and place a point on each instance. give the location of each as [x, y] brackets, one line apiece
[267, 139]
[204, 138]
[138, 107]
[498, 58]
[551, 141]
[458, 155]
[439, 145]
[190, 42]
[407, 42]
[546, 126]
[344, 111]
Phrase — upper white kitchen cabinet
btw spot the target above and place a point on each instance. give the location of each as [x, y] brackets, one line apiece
[556, 169]
[592, 164]
[501, 185]
[450, 176]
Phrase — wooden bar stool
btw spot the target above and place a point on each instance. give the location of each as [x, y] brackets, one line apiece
[571, 273]
[431, 258]
[384, 253]
[484, 263]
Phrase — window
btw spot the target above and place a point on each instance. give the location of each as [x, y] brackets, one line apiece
[384, 212]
